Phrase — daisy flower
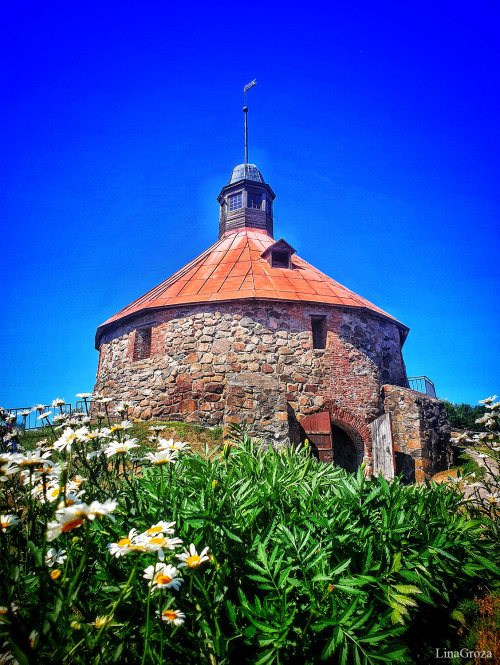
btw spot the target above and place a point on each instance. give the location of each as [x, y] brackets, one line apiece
[54, 556]
[173, 616]
[84, 396]
[116, 447]
[82, 434]
[159, 543]
[191, 558]
[157, 428]
[125, 424]
[161, 527]
[8, 520]
[72, 517]
[488, 400]
[163, 576]
[132, 543]
[163, 444]
[66, 440]
[97, 509]
[8, 470]
[58, 402]
[162, 457]
[33, 458]
[44, 415]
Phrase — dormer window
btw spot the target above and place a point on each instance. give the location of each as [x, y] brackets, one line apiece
[279, 254]
[280, 258]
[235, 202]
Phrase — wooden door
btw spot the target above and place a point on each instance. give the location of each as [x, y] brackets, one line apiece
[318, 430]
[382, 448]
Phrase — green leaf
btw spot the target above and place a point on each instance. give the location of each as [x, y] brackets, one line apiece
[396, 564]
[407, 588]
[341, 567]
[489, 565]
[267, 658]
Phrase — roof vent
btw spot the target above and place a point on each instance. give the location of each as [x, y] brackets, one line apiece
[279, 254]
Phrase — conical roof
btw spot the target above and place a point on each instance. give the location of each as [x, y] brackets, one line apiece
[234, 268]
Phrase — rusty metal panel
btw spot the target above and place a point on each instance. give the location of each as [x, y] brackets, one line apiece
[325, 455]
[383, 450]
[318, 430]
[317, 423]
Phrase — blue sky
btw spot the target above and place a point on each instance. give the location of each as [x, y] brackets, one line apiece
[376, 124]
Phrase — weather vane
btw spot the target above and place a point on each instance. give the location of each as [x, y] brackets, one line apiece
[245, 111]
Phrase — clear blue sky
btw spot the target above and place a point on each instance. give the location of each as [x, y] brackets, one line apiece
[376, 124]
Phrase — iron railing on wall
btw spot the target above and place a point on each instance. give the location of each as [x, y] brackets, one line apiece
[27, 418]
[421, 384]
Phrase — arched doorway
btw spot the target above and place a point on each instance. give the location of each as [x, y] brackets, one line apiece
[333, 440]
[344, 452]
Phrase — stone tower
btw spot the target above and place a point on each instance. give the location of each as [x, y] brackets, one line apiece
[249, 331]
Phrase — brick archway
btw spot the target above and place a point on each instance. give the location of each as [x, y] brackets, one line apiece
[354, 427]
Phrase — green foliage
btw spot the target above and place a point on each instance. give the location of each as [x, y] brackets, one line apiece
[464, 416]
[308, 563]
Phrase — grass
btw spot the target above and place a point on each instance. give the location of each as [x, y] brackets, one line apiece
[195, 435]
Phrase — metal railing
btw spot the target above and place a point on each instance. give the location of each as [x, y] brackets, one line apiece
[27, 418]
[421, 384]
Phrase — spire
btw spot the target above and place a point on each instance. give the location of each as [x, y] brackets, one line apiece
[246, 201]
[245, 111]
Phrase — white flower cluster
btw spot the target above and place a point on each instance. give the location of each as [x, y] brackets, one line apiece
[71, 517]
[161, 575]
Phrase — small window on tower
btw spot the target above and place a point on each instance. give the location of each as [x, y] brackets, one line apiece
[235, 202]
[318, 324]
[255, 201]
[142, 343]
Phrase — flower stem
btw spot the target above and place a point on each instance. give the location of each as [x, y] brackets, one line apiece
[146, 641]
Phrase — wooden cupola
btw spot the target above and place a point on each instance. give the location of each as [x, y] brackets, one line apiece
[246, 202]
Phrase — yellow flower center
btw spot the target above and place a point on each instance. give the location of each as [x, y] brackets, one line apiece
[72, 524]
[154, 529]
[193, 561]
[4, 525]
[171, 616]
[163, 579]
[55, 574]
[156, 541]
[123, 542]
[3, 610]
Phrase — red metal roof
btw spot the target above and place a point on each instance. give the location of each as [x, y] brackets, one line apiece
[233, 268]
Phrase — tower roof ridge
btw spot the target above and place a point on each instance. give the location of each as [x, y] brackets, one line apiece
[234, 268]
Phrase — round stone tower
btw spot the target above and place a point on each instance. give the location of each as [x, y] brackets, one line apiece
[249, 331]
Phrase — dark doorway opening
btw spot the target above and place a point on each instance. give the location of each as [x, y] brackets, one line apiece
[344, 453]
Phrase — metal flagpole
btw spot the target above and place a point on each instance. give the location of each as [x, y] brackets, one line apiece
[245, 111]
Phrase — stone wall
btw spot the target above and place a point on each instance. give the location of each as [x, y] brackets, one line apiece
[253, 361]
[420, 432]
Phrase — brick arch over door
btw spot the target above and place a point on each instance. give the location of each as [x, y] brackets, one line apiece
[357, 430]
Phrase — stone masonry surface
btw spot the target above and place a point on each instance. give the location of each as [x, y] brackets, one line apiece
[254, 361]
[420, 432]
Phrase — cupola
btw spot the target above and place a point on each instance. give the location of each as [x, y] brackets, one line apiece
[246, 201]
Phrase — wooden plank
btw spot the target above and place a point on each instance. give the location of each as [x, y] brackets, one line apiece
[383, 451]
